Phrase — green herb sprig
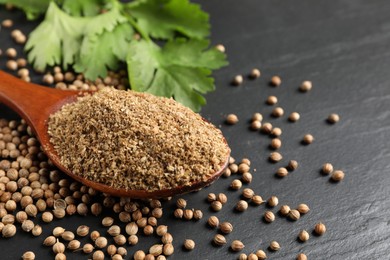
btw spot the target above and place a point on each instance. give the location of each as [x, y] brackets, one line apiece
[163, 42]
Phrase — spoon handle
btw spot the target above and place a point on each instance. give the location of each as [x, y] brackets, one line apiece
[32, 102]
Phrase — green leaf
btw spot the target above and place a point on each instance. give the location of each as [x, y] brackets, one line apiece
[32, 8]
[163, 18]
[83, 8]
[99, 52]
[56, 39]
[180, 69]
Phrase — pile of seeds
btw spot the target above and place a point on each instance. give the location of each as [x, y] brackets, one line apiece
[136, 141]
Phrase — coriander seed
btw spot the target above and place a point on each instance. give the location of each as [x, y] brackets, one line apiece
[74, 245]
[156, 250]
[292, 165]
[198, 214]
[188, 214]
[303, 236]
[301, 256]
[7, 23]
[248, 193]
[220, 48]
[139, 255]
[82, 231]
[305, 86]
[9, 230]
[148, 230]
[307, 139]
[327, 168]
[236, 184]
[213, 221]
[337, 176]
[11, 53]
[221, 197]
[211, 197]
[178, 213]
[257, 200]
[60, 256]
[257, 117]
[276, 143]
[58, 247]
[261, 254]
[101, 242]
[284, 210]
[243, 168]
[114, 230]
[29, 255]
[216, 205]
[294, 117]
[274, 246]
[226, 227]
[252, 256]
[37, 230]
[255, 125]
[276, 132]
[58, 231]
[133, 240]
[273, 201]
[247, 177]
[98, 255]
[231, 119]
[167, 238]
[132, 228]
[120, 240]
[275, 157]
[67, 236]
[27, 225]
[111, 250]
[303, 208]
[237, 80]
[255, 73]
[333, 118]
[282, 172]
[49, 241]
[319, 229]
[272, 100]
[243, 257]
[189, 244]
[233, 168]
[219, 240]
[168, 249]
[269, 216]
[241, 206]
[94, 235]
[181, 203]
[277, 112]
[237, 245]
[276, 81]
[88, 248]
[294, 214]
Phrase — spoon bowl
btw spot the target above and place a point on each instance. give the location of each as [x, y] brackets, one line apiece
[35, 103]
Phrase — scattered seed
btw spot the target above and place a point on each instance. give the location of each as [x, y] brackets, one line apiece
[237, 245]
[7, 23]
[12, 65]
[284, 210]
[301, 256]
[189, 244]
[211, 197]
[216, 205]
[255, 73]
[221, 197]
[292, 165]
[58, 247]
[277, 112]
[294, 214]
[220, 47]
[276, 81]
[74, 245]
[272, 100]
[274, 246]
[257, 200]
[327, 168]
[333, 118]
[269, 216]
[308, 139]
[241, 206]
[213, 221]
[236, 184]
[219, 240]
[303, 208]
[293, 117]
[29, 255]
[237, 80]
[49, 241]
[248, 193]
[275, 157]
[88, 248]
[261, 254]
[98, 255]
[226, 227]
[11, 53]
[337, 175]
[282, 172]
[303, 236]
[181, 203]
[266, 128]
[189, 214]
[256, 125]
[319, 229]
[257, 117]
[305, 86]
[276, 143]
[231, 119]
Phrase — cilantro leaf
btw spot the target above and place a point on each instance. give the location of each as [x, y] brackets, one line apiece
[56, 39]
[162, 19]
[82, 8]
[32, 8]
[99, 52]
[180, 69]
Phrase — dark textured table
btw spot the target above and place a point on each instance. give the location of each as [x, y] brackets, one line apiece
[343, 47]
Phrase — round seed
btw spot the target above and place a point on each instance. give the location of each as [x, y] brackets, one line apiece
[231, 119]
[219, 240]
[257, 200]
[213, 221]
[101, 242]
[60, 256]
[248, 193]
[221, 197]
[189, 214]
[301, 256]
[261, 254]
[198, 214]
[327, 168]
[308, 139]
[211, 197]
[303, 208]
[49, 241]
[243, 257]
[252, 256]
[139, 255]
[269, 216]
[294, 214]
[284, 210]
[293, 117]
[58, 247]
[226, 227]
[236, 184]
[237, 80]
[181, 203]
[178, 213]
[11, 53]
[237, 245]
[67, 236]
[276, 132]
[337, 175]
[275, 157]
[257, 117]
[88, 248]
[255, 73]
[272, 100]
[266, 128]
[168, 249]
[9, 230]
[277, 112]
[74, 245]
[220, 47]
[276, 143]
[7, 23]
[189, 244]
[242, 205]
[98, 255]
[82, 231]
[292, 165]
[256, 125]
[276, 81]
[273, 201]
[282, 172]
[319, 229]
[12, 65]
[274, 246]
[305, 86]
[303, 236]
[29, 255]
[333, 118]
[247, 177]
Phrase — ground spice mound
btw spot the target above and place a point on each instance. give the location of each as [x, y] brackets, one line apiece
[132, 140]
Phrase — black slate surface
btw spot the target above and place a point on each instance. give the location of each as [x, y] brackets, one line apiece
[343, 48]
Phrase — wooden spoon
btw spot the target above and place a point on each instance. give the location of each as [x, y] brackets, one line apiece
[35, 103]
